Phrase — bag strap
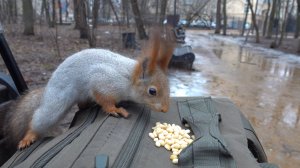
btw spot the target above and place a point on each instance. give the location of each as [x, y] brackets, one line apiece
[209, 148]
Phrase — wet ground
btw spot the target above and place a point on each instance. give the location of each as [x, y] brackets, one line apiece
[263, 83]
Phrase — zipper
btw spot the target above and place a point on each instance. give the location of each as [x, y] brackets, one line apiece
[48, 155]
[127, 153]
[22, 155]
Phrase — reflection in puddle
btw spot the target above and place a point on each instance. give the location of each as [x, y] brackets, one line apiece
[263, 83]
[289, 115]
[187, 84]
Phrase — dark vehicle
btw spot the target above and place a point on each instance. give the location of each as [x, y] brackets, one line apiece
[203, 24]
[183, 57]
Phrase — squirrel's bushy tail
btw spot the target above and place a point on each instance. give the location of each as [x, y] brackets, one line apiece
[19, 116]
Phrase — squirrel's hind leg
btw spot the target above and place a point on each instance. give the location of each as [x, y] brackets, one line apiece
[108, 104]
[29, 138]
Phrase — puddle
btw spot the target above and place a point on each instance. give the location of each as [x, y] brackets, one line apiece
[263, 83]
[187, 84]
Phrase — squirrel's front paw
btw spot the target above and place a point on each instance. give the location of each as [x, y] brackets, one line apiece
[123, 112]
[116, 111]
[28, 139]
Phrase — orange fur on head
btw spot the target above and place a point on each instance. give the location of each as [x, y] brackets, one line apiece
[158, 53]
[137, 71]
[154, 48]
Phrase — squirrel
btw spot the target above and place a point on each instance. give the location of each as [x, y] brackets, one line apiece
[96, 75]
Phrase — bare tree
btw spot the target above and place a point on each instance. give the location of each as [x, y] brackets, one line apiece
[266, 18]
[138, 20]
[60, 11]
[53, 23]
[156, 10]
[224, 17]
[245, 20]
[28, 17]
[105, 9]
[76, 13]
[45, 9]
[144, 5]
[271, 19]
[82, 22]
[196, 9]
[298, 49]
[67, 9]
[163, 7]
[296, 35]
[125, 13]
[95, 12]
[12, 10]
[253, 14]
[114, 10]
[283, 28]
[218, 18]
[15, 10]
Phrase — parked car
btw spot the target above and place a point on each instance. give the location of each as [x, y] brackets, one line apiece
[183, 22]
[203, 24]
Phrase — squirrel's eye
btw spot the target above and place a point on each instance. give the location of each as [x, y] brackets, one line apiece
[152, 91]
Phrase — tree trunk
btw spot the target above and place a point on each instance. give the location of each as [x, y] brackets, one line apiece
[218, 18]
[296, 35]
[105, 9]
[125, 12]
[245, 20]
[156, 10]
[16, 11]
[47, 12]
[255, 11]
[138, 20]
[271, 19]
[224, 18]
[53, 23]
[254, 21]
[60, 11]
[43, 9]
[83, 26]
[95, 11]
[76, 13]
[144, 6]
[1, 12]
[12, 8]
[113, 8]
[67, 10]
[163, 7]
[277, 16]
[298, 50]
[266, 18]
[28, 17]
[283, 28]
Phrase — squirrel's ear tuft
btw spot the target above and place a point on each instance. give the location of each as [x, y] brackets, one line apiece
[154, 47]
[165, 53]
[137, 72]
[159, 50]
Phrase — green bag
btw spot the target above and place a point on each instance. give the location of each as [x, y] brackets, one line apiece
[96, 139]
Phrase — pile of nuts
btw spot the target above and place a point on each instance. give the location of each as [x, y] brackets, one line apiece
[172, 137]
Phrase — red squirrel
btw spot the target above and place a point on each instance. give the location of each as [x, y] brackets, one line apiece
[95, 75]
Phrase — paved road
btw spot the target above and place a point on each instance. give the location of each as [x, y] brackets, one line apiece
[264, 84]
